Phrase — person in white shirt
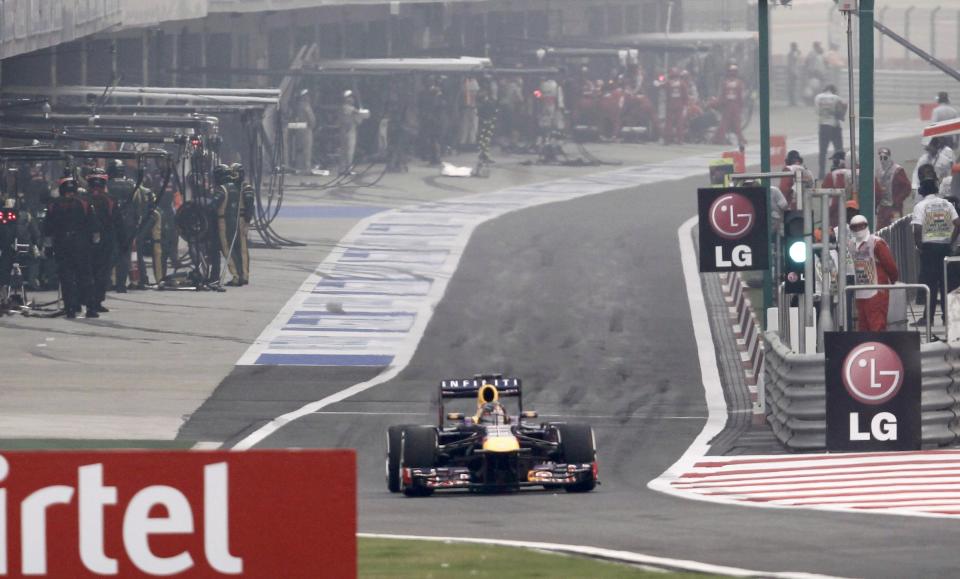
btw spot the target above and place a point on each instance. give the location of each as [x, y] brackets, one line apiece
[944, 112]
[938, 155]
[830, 110]
[468, 113]
[935, 227]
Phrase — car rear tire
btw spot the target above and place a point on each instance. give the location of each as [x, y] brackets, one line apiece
[577, 445]
[394, 439]
[418, 450]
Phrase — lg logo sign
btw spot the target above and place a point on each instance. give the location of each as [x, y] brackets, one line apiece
[873, 374]
[732, 217]
[873, 390]
[733, 229]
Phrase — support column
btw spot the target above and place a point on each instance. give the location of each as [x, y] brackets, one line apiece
[203, 55]
[53, 73]
[84, 47]
[344, 30]
[763, 28]
[114, 64]
[866, 111]
[174, 57]
[145, 52]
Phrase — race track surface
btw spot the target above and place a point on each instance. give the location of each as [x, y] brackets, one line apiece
[585, 301]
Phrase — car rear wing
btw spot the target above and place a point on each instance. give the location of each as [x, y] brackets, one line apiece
[470, 387]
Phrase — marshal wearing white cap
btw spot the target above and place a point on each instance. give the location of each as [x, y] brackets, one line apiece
[873, 264]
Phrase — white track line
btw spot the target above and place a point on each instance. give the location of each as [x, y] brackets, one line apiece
[627, 557]
[713, 389]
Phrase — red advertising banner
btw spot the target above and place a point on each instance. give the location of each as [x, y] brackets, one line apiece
[180, 514]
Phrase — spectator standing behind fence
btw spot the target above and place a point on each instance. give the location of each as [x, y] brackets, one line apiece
[936, 155]
[303, 140]
[935, 224]
[793, 162]
[834, 62]
[893, 188]
[873, 264]
[830, 111]
[350, 118]
[944, 111]
[511, 108]
[793, 73]
[468, 113]
[815, 69]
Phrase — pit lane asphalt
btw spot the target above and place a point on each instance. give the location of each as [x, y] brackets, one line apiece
[586, 302]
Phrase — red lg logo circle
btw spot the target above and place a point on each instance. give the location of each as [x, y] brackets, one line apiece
[732, 216]
[872, 373]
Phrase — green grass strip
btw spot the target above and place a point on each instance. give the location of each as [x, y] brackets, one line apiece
[402, 559]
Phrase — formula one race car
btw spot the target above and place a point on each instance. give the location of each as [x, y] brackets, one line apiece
[491, 450]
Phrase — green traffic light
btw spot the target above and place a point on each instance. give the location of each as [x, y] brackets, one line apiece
[798, 251]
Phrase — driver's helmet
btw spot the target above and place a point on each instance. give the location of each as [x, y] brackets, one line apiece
[492, 413]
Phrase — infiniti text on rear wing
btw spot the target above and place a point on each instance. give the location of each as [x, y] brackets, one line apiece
[470, 387]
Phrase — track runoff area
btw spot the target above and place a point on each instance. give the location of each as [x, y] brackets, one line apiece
[245, 513]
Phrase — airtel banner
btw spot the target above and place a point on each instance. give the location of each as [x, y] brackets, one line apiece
[733, 228]
[873, 390]
[185, 514]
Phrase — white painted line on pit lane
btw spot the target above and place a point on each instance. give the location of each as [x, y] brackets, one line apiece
[713, 389]
[206, 445]
[627, 557]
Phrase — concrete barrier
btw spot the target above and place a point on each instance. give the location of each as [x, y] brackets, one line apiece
[796, 394]
[747, 331]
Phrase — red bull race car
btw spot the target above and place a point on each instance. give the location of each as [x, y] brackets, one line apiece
[491, 450]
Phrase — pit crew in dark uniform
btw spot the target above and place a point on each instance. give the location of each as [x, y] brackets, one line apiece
[72, 228]
[233, 216]
[104, 254]
[141, 221]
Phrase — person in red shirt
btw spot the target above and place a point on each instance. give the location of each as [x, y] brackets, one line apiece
[873, 264]
[731, 107]
[678, 96]
[792, 162]
[893, 187]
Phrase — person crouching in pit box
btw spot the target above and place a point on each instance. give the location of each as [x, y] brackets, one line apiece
[873, 264]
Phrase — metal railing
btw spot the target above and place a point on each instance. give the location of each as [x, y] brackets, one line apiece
[899, 237]
[902, 287]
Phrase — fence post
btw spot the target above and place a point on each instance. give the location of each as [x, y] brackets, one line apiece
[906, 31]
[933, 31]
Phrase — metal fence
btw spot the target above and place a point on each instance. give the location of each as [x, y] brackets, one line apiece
[899, 236]
[891, 86]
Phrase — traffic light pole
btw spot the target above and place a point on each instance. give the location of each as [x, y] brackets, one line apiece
[763, 29]
[867, 194]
